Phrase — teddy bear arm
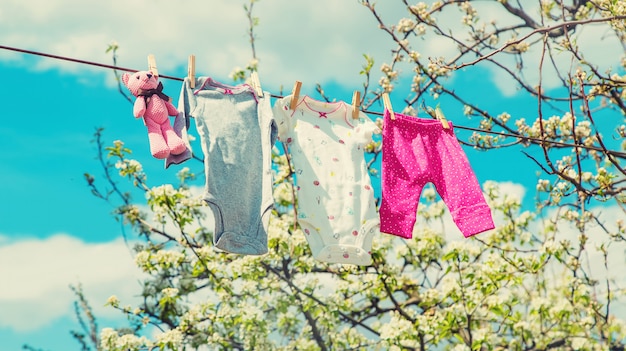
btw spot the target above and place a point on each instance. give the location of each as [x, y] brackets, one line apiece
[171, 109]
[139, 108]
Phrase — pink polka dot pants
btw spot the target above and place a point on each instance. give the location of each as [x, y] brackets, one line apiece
[418, 151]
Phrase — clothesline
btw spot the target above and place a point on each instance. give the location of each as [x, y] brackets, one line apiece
[479, 130]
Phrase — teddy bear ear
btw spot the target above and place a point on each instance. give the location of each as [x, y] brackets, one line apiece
[125, 78]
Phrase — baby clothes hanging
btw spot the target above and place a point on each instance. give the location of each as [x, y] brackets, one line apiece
[335, 200]
[417, 151]
[237, 132]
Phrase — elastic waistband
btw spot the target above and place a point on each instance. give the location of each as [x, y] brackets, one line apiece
[411, 120]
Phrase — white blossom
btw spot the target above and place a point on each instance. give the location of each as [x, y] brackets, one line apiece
[571, 173]
[405, 25]
[108, 338]
[283, 193]
[522, 47]
[165, 189]
[169, 292]
[397, 326]
[142, 259]
[130, 342]
[577, 342]
[420, 29]
[420, 9]
[113, 301]
[504, 117]
[173, 338]
[461, 347]
[583, 129]
[493, 40]
[467, 110]
[549, 247]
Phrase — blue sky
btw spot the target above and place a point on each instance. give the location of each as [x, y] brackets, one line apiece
[53, 232]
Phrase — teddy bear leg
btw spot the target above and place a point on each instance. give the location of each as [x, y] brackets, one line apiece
[158, 145]
[176, 144]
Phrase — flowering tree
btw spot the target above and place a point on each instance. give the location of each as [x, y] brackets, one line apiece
[539, 281]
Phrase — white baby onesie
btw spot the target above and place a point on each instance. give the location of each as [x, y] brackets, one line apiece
[335, 199]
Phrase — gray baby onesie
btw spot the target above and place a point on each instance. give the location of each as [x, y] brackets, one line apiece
[237, 132]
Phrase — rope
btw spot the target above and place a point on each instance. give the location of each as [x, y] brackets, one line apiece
[503, 134]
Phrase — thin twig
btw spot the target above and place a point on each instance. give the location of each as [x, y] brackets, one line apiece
[536, 31]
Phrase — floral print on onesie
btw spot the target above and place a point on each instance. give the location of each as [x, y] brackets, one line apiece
[335, 199]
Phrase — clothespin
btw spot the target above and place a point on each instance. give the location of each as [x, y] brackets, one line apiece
[441, 118]
[295, 95]
[387, 104]
[152, 67]
[191, 71]
[256, 83]
[356, 102]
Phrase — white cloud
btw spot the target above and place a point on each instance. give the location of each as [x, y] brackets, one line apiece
[512, 190]
[308, 41]
[36, 274]
[313, 42]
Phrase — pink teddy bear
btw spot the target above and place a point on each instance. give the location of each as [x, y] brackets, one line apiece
[154, 107]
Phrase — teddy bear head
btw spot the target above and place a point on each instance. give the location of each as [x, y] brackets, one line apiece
[140, 81]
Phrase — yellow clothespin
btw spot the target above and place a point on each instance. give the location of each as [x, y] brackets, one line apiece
[356, 102]
[387, 104]
[256, 83]
[152, 67]
[295, 95]
[442, 118]
[191, 71]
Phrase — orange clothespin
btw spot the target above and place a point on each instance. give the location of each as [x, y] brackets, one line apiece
[295, 95]
[441, 118]
[387, 104]
[256, 83]
[356, 102]
[152, 67]
[191, 71]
